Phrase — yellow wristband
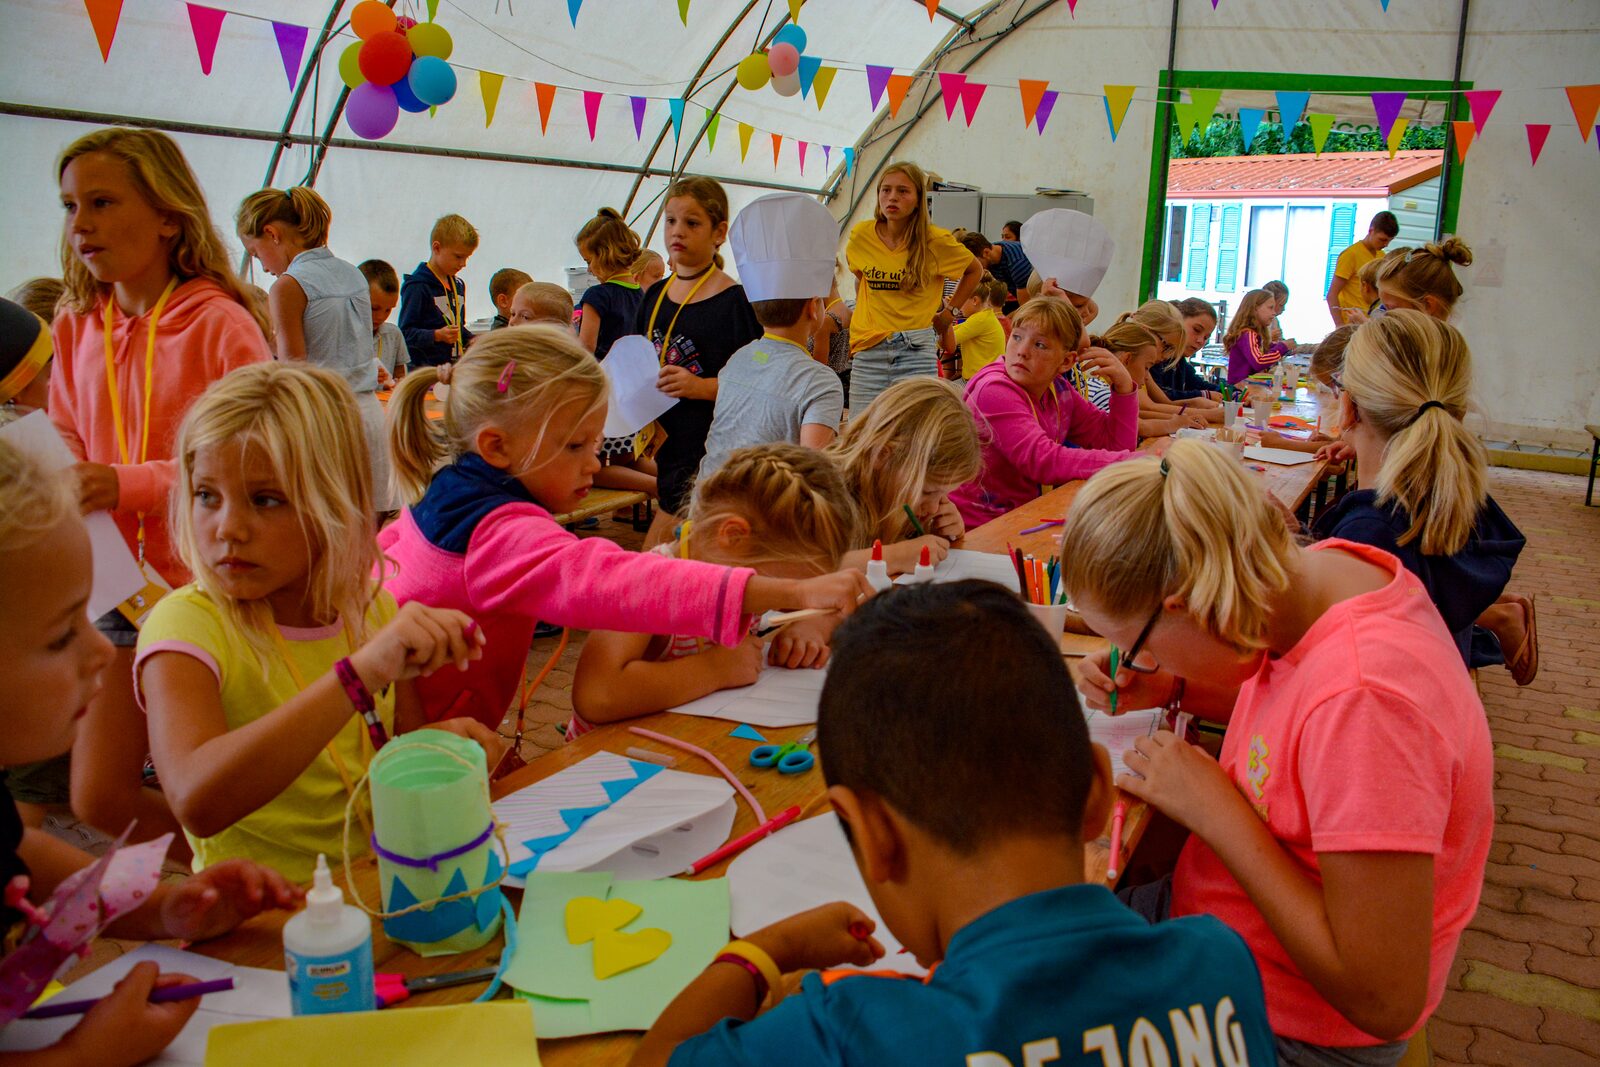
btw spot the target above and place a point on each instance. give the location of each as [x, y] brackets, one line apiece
[758, 956]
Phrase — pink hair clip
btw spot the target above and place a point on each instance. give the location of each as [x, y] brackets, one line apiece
[505, 376]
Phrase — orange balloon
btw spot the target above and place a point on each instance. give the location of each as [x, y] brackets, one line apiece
[370, 17]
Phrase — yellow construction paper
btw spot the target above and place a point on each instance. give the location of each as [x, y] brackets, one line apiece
[615, 952]
[496, 1034]
[588, 917]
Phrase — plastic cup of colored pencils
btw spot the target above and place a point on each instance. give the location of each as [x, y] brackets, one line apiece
[1043, 592]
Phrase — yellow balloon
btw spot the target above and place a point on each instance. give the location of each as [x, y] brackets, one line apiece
[754, 71]
[350, 65]
[430, 39]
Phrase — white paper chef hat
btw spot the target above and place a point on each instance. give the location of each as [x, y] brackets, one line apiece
[1070, 247]
[784, 245]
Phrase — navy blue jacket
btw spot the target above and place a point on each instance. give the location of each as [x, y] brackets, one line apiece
[1180, 381]
[420, 316]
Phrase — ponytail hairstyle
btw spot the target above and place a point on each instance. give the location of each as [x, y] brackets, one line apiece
[161, 175]
[710, 195]
[305, 421]
[1125, 337]
[1162, 320]
[1056, 317]
[1244, 319]
[794, 499]
[1410, 377]
[1367, 276]
[1416, 273]
[993, 293]
[612, 247]
[33, 501]
[915, 434]
[1190, 525]
[299, 210]
[543, 370]
[918, 268]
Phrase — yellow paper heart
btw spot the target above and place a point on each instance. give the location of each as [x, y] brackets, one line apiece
[588, 917]
[615, 952]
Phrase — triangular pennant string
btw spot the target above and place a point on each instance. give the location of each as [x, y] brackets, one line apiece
[933, 9]
[745, 130]
[1481, 102]
[1321, 126]
[1072, 8]
[572, 10]
[1249, 123]
[683, 11]
[1537, 133]
[1397, 133]
[103, 16]
[1290, 107]
[794, 10]
[821, 83]
[1387, 108]
[899, 85]
[971, 95]
[808, 74]
[489, 85]
[1117, 98]
[877, 81]
[802, 147]
[849, 161]
[711, 131]
[1585, 101]
[1464, 132]
[545, 94]
[1032, 91]
[591, 108]
[827, 157]
[638, 103]
[777, 143]
[1047, 104]
[291, 48]
[206, 22]
[950, 83]
[433, 10]
[676, 105]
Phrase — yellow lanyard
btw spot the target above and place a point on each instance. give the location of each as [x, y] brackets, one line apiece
[787, 341]
[666, 338]
[332, 749]
[377, 348]
[123, 445]
[450, 298]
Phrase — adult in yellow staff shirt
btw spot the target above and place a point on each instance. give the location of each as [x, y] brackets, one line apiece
[1344, 292]
[898, 258]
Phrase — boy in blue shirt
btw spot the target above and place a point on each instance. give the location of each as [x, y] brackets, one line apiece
[433, 301]
[958, 760]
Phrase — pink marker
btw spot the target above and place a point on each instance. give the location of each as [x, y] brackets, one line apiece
[1118, 815]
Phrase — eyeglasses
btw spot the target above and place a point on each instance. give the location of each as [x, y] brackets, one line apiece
[1129, 659]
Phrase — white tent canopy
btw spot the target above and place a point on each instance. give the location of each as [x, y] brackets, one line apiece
[528, 190]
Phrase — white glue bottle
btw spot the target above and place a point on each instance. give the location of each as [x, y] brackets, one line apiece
[327, 950]
[877, 569]
[924, 568]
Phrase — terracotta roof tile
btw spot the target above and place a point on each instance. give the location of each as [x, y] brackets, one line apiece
[1335, 174]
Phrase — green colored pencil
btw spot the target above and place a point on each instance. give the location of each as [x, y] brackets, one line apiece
[915, 525]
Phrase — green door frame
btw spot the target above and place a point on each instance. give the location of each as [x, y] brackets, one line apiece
[1174, 81]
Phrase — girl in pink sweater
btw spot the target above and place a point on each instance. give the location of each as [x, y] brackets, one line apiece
[517, 445]
[1026, 416]
[153, 314]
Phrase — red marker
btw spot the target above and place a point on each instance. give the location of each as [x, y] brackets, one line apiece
[1118, 815]
[739, 844]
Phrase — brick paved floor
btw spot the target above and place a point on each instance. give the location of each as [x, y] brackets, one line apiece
[1525, 989]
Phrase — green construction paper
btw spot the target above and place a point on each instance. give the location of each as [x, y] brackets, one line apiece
[558, 977]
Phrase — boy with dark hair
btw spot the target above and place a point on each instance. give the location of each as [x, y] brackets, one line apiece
[1344, 292]
[970, 840]
[389, 344]
[433, 300]
[503, 285]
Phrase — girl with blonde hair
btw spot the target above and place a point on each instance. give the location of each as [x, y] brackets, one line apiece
[153, 314]
[1344, 829]
[898, 257]
[320, 305]
[781, 509]
[1029, 417]
[1422, 279]
[1407, 384]
[516, 446]
[1246, 340]
[272, 677]
[913, 446]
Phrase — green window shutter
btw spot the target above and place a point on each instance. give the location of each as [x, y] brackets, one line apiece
[1228, 248]
[1199, 246]
[1341, 235]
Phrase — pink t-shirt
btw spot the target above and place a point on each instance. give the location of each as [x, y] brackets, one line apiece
[1367, 736]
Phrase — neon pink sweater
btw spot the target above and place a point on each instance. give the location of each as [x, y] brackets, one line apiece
[203, 334]
[1025, 444]
[521, 567]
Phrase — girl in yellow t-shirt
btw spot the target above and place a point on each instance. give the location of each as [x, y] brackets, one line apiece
[270, 679]
[898, 257]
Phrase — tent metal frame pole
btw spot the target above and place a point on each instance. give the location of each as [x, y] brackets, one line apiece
[1164, 123]
[1446, 165]
[203, 130]
[306, 77]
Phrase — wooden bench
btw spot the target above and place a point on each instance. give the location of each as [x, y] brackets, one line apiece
[602, 502]
[1594, 458]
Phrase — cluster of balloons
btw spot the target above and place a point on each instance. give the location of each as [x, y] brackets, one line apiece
[397, 63]
[779, 64]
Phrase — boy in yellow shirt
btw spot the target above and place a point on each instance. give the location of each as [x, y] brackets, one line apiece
[1344, 292]
[980, 337]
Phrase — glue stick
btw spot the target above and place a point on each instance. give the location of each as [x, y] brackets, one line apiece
[327, 950]
[924, 568]
[877, 569]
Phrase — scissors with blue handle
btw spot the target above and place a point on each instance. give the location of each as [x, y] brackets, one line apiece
[790, 757]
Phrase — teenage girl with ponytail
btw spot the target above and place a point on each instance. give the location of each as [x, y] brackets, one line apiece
[1343, 830]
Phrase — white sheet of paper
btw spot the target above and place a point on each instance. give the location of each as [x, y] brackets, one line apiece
[116, 574]
[802, 867]
[655, 808]
[780, 697]
[1284, 457]
[1118, 732]
[963, 563]
[632, 368]
[257, 994]
[672, 851]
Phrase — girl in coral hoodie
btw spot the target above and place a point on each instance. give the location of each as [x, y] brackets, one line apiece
[153, 314]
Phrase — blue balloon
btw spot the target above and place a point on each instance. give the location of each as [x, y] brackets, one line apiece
[791, 34]
[406, 98]
[432, 80]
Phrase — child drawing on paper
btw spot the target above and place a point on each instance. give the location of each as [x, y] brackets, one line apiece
[781, 509]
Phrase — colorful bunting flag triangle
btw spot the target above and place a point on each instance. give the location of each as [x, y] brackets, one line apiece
[291, 48]
[933, 8]
[745, 130]
[712, 122]
[1585, 101]
[1538, 132]
[899, 85]
[821, 83]
[1117, 98]
[950, 83]
[809, 66]
[1290, 107]
[1386, 106]
[676, 106]
[104, 16]
[802, 148]
[545, 95]
[489, 85]
[1249, 123]
[777, 143]
[971, 95]
[1481, 102]
[572, 10]
[1032, 90]
[683, 11]
[1464, 132]
[1047, 104]
[877, 81]
[1321, 126]
[591, 108]
[206, 23]
[1397, 133]
[638, 103]
[849, 161]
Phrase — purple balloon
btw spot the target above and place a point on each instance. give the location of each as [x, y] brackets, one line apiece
[406, 98]
[371, 111]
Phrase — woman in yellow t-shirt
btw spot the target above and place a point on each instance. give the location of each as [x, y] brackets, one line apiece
[898, 258]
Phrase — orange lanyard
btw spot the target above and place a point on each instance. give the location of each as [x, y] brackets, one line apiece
[666, 338]
[124, 447]
[450, 298]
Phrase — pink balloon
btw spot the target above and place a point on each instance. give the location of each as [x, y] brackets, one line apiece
[783, 59]
[372, 110]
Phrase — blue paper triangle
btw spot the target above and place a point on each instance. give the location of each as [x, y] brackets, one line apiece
[809, 65]
[1290, 107]
[572, 9]
[676, 104]
[399, 896]
[1249, 122]
[487, 904]
[748, 733]
[576, 817]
